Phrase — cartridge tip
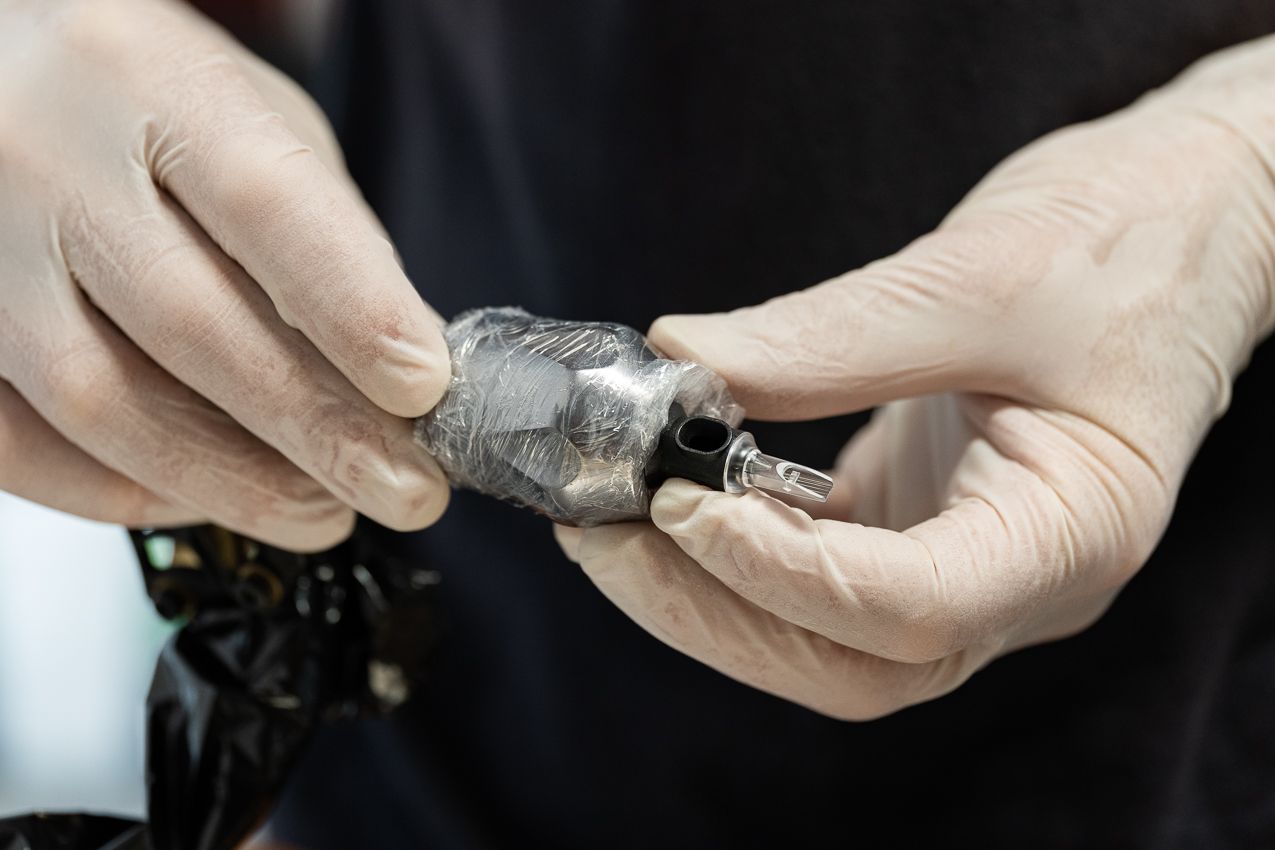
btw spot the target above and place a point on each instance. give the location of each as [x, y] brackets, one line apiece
[804, 481]
[783, 476]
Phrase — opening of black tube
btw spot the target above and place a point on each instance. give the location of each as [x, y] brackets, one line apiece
[703, 434]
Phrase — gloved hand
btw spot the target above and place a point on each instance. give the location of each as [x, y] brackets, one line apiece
[199, 316]
[1049, 360]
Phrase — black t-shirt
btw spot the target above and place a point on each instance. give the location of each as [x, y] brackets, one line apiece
[619, 159]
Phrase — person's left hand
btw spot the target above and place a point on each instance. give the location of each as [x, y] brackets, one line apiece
[1063, 342]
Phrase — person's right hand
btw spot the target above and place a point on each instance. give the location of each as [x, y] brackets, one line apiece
[199, 316]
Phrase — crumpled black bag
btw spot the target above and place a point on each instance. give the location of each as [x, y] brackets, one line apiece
[72, 832]
[274, 645]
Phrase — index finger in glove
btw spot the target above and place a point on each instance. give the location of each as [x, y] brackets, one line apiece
[270, 202]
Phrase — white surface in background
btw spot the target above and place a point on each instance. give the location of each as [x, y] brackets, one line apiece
[78, 640]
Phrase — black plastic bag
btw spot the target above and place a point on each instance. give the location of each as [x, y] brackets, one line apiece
[72, 832]
[273, 644]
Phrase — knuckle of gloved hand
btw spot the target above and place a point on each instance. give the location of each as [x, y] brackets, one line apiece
[302, 111]
[856, 703]
[880, 687]
[283, 504]
[109, 34]
[129, 504]
[196, 332]
[99, 29]
[917, 633]
[874, 688]
[247, 177]
[75, 379]
[292, 495]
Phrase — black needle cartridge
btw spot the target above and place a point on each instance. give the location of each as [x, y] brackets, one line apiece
[708, 451]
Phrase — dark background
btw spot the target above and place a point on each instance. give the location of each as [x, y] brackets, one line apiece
[619, 160]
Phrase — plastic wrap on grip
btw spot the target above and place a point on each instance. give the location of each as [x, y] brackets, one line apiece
[561, 417]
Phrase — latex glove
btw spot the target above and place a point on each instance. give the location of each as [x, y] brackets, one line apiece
[1066, 337]
[199, 316]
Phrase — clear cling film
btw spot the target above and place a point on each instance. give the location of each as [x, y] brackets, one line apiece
[561, 417]
[579, 420]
